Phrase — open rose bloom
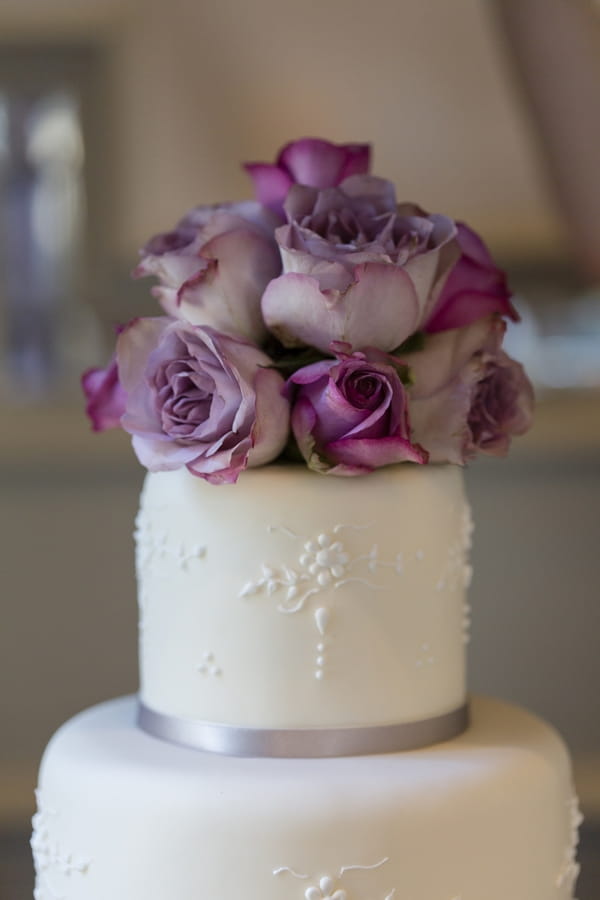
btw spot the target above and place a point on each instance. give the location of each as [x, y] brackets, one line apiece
[324, 320]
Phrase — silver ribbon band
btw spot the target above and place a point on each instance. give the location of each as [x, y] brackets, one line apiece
[230, 740]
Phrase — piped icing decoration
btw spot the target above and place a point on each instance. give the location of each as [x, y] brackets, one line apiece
[51, 861]
[208, 666]
[322, 619]
[281, 869]
[325, 890]
[327, 887]
[466, 621]
[569, 870]
[151, 546]
[324, 562]
[329, 562]
[426, 657]
[458, 572]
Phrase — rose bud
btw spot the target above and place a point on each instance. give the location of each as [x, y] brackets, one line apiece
[309, 161]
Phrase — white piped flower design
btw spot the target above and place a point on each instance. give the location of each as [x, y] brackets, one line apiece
[326, 887]
[325, 558]
[324, 562]
[325, 891]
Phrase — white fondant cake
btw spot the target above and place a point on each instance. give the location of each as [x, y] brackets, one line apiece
[294, 601]
[302, 729]
[126, 816]
[290, 600]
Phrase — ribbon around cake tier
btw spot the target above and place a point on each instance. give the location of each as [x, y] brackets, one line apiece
[231, 740]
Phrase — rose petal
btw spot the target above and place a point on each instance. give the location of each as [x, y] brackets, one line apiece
[439, 421]
[474, 288]
[160, 455]
[309, 161]
[318, 163]
[370, 454]
[271, 183]
[379, 309]
[213, 267]
[447, 352]
[303, 421]
[240, 263]
[105, 397]
[270, 430]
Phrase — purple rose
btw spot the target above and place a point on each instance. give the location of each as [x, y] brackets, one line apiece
[474, 288]
[200, 399]
[501, 406]
[105, 396]
[350, 416]
[309, 161]
[467, 395]
[214, 266]
[357, 267]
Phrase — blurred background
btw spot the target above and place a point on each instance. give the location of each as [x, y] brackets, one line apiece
[116, 117]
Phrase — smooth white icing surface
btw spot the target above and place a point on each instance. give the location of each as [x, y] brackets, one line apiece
[487, 816]
[296, 600]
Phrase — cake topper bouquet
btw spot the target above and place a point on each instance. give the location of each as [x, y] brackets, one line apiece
[325, 322]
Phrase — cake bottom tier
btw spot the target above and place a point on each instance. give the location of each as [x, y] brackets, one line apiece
[124, 816]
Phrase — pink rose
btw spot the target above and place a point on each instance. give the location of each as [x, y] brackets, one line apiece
[357, 267]
[200, 399]
[105, 396]
[467, 395]
[474, 288]
[350, 415]
[309, 161]
[214, 266]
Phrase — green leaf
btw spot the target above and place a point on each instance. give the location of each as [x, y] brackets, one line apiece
[412, 344]
[289, 361]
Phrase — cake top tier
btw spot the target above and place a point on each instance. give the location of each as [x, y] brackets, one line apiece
[295, 601]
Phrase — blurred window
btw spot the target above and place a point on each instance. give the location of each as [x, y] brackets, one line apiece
[41, 206]
[45, 330]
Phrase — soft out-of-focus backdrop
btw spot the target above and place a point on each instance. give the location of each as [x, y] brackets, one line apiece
[114, 119]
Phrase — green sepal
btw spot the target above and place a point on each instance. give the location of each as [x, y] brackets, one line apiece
[412, 344]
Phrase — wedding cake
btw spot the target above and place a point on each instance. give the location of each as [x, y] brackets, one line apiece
[327, 362]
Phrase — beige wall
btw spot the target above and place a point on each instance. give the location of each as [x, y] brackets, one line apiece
[199, 87]
[193, 88]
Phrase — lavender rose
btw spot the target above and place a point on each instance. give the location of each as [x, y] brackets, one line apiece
[350, 416]
[200, 399]
[474, 288]
[501, 406]
[357, 267]
[105, 396]
[309, 161]
[214, 266]
[467, 395]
